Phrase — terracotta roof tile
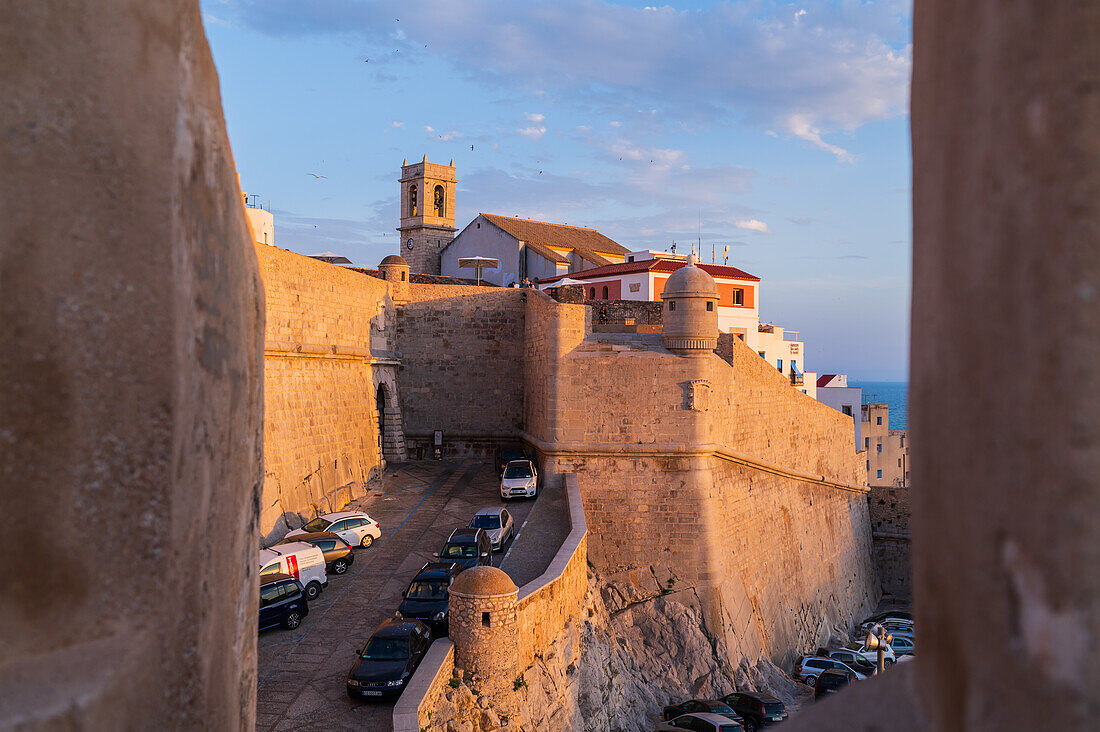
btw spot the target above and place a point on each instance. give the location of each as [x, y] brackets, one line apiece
[562, 235]
[655, 265]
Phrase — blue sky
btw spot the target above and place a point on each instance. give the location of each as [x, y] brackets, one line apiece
[779, 129]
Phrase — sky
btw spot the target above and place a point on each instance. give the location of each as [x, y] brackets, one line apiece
[780, 130]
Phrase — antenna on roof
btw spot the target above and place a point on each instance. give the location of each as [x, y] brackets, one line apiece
[726, 255]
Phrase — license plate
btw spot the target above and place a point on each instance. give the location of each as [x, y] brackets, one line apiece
[373, 693]
[777, 719]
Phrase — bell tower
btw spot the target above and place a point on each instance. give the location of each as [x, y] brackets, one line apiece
[427, 213]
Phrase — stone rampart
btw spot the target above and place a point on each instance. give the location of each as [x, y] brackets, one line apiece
[328, 349]
[462, 351]
[710, 474]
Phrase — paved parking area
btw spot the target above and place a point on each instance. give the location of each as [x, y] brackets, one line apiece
[302, 672]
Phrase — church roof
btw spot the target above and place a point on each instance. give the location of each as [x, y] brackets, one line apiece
[587, 243]
[655, 265]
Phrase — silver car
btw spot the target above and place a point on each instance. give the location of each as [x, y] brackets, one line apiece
[497, 523]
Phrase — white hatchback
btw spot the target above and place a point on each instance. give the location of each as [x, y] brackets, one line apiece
[354, 527]
[519, 480]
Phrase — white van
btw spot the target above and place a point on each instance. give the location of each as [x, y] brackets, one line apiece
[304, 562]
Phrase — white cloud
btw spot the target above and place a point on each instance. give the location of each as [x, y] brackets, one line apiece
[429, 129]
[535, 118]
[534, 132]
[752, 225]
[799, 126]
[615, 123]
[833, 65]
[397, 123]
[444, 136]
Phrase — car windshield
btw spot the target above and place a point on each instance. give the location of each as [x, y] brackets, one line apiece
[386, 649]
[486, 521]
[720, 709]
[511, 454]
[427, 591]
[772, 708]
[457, 551]
[317, 524]
[523, 470]
[731, 728]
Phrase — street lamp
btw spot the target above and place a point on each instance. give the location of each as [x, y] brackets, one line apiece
[879, 639]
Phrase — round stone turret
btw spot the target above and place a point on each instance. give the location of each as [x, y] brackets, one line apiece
[482, 625]
[395, 270]
[690, 319]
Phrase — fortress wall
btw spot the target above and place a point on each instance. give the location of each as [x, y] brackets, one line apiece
[774, 559]
[321, 424]
[551, 329]
[462, 366]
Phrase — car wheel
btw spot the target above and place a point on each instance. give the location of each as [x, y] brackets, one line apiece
[749, 725]
[339, 566]
[887, 663]
[313, 591]
[293, 620]
[366, 541]
[811, 681]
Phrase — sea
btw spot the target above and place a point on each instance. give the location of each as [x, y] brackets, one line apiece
[894, 394]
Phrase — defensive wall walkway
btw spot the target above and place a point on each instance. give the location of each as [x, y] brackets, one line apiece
[544, 603]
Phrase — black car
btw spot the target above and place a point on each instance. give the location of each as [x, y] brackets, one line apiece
[468, 548]
[338, 553]
[507, 454]
[832, 680]
[426, 597]
[282, 602]
[713, 706]
[389, 659]
[755, 709]
[879, 617]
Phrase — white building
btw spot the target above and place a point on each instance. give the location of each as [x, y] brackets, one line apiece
[833, 390]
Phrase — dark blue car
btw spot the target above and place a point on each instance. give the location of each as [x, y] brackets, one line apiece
[282, 602]
[389, 659]
[426, 598]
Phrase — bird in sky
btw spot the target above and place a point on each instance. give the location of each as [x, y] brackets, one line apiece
[471, 147]
[540, 172]
[317, 176]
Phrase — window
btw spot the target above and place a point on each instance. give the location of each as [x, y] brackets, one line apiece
[479, 224]
[671, 304]
[880, 420]
[635, 287]
[846, 409]
[402, 276]
[762, 354]
[738, 297]
[868, 464]
[604, 297]
[591, 293]
[439, 210]
[413, 208]
[630, 259]
[879, 474]
[270, 569]
[899, 462]
[779, 364]
[327, 545]
[338, 526]
[901, 440]
[866, 443]
[269, 594]
[485, 619]
[879, 446]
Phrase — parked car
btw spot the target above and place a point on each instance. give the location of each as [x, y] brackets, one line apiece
[520, 479]
[354, 527]
[903, 646]
[871, 654]
[831, 681]
[498, 524]
[887, 615]
[389, 659]
[467, 548]
[337, 552]
[303, 562]
[891, 624]
[506, 455]
[852, 659]
[713, 706]
[701, 722]
[809, 668]
[426, 597]
[282, 602]
[756, 710]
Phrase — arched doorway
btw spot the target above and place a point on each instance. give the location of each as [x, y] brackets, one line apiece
[380, 403]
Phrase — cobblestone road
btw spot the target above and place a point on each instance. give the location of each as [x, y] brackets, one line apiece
[302, 672]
